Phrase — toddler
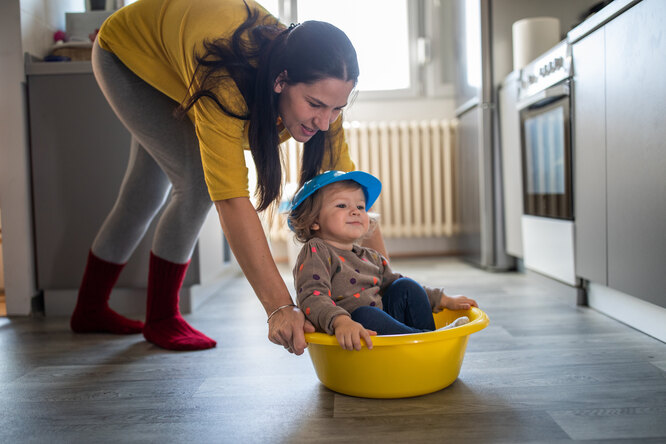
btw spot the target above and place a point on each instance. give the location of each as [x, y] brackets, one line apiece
[348, 290]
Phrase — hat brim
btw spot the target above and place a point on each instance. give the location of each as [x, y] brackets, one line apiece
[372, 186]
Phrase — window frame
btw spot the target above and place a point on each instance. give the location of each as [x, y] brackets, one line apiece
[433, 30]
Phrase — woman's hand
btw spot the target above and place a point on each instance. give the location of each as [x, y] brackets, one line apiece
[287, 327]
[349, 333]
[458, 302]
[243, 230]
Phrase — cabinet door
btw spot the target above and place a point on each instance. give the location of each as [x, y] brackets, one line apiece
[589, 136]
[636, 156]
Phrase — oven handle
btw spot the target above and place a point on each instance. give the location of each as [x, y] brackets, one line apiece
[543, 98]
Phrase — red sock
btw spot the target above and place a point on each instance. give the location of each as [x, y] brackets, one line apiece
[92, 313]
[165, 326]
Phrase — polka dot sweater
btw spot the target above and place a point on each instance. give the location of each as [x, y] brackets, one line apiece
[331, 282]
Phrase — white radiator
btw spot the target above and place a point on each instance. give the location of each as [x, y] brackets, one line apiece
[415, 162]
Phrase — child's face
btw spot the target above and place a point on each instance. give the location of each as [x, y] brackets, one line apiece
[343, 218]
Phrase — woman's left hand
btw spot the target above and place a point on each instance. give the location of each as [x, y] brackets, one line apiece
[458, 302]
[287, 327]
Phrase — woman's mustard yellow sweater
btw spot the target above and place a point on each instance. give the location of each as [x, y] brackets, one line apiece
[158, 41]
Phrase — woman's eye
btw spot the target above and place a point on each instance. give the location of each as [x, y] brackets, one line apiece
[313, 105]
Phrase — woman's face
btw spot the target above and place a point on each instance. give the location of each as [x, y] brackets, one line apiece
[342, 219]
[306, 108]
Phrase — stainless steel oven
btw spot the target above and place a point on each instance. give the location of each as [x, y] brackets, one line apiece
[545, 121]
[544, 103]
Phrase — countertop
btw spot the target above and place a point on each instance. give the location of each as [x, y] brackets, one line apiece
[599, 19]
[34, 66]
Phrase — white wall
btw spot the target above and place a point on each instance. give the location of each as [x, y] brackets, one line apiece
[40, 19]
[404, 109]
[506, 12]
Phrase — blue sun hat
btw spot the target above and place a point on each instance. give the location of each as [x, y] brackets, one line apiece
[370, 184]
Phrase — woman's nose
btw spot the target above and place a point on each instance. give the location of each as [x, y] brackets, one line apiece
[323, 120]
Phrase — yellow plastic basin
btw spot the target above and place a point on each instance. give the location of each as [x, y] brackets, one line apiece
[398, 366]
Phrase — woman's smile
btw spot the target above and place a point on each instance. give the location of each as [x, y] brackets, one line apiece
[307, 131]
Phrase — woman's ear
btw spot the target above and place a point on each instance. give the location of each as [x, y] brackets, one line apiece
[278, 85]
[314, 226]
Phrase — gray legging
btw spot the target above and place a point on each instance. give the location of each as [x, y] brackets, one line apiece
[164, 155]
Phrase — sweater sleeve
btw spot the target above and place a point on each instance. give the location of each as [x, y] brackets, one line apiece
[434, 296]
[222, 155]
[312, 277]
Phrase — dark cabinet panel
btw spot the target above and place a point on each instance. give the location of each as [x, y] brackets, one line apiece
[590, 158]
[636, 151]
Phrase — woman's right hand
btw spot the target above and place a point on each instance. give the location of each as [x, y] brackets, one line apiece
[245, 234]
[287, 327]
[349, 333]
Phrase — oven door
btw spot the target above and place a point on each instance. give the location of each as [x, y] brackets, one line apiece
[545, 121]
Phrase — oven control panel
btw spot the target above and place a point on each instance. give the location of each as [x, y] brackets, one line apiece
[548, 69]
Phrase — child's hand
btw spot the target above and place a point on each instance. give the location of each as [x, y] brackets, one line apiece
[457, 302]
[349, 333]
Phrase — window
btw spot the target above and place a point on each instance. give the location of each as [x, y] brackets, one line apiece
[381, 39]
[402, 45]
[272, 6]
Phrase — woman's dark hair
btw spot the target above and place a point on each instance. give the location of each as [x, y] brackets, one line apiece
[253, 57]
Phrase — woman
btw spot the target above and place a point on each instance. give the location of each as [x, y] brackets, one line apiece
[243, 81]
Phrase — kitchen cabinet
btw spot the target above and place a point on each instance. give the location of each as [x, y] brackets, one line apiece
[620, 157]
[589, 108]
[79, 151]
[636, 158]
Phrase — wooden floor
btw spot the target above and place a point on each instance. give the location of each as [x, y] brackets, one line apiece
[543, 371]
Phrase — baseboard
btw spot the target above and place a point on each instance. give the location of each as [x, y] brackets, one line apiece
[636, 313]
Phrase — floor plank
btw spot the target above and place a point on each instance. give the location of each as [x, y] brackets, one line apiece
[611, 423]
